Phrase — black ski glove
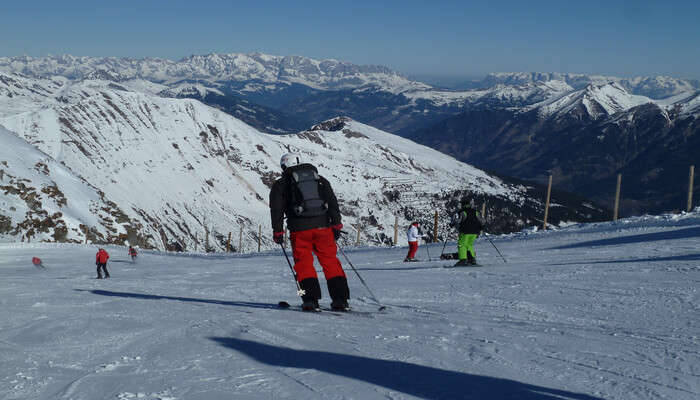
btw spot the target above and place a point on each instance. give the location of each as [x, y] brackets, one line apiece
[337, 231]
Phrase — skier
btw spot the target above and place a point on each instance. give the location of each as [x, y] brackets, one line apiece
[413, 236]
[37, 262]
[470, 226]
[101, 261]
[133, 253]
[314, 222]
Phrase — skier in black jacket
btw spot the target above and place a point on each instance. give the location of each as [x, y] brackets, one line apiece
[314, 222]
[470, 226]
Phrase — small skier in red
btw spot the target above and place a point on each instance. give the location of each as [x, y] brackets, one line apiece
[133, 253]
[101, 261]
[413, 236]
[37, 262]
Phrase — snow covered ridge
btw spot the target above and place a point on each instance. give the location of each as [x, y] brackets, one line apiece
[602, 100]
[263, 73]
[320, 74]
[169, 171]
[655, 87]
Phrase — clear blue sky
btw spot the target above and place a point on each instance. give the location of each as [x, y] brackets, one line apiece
[441, 38]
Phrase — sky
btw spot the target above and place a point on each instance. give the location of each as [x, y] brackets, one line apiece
[428, 38]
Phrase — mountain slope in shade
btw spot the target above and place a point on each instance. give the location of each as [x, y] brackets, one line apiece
[584, 139]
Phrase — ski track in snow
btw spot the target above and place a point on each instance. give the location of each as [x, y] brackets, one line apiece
[598, 311]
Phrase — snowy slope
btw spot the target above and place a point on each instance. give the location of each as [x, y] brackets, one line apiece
[602, 311]
[43, 200]
[179, 168]
[597, 101]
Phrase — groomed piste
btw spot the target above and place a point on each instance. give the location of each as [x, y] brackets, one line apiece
[596, 311]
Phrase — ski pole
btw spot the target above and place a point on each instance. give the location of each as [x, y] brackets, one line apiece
[427, 250]
[300, 291]
[494, 246]
[443, 248]
[381, 307]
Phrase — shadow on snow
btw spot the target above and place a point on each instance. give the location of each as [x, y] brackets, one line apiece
[412, 379]
[645, 237]
[685, 257]
[177, 298]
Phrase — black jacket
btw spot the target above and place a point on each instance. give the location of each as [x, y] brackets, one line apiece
[469, 221]
[281, 206]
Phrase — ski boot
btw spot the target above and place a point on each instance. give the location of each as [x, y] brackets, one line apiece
[340, 293]
[312, 292]
[340, 305]
[462, 263]
[310, 305]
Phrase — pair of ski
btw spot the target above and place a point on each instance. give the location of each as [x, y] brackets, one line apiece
[286, 306]
[463, 266]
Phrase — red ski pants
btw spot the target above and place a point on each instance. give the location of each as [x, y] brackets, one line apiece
[319, 241]
[412, 249]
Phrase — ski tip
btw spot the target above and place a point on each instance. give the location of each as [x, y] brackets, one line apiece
[283, 304]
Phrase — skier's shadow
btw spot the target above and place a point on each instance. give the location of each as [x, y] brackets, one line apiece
[177, 298]
[412, 379]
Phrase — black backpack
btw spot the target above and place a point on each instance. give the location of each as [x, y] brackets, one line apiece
[306, 193]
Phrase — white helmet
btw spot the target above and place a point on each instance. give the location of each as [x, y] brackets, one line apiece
[290, 160]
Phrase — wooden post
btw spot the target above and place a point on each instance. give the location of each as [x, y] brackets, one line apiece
[435, 227]
[259, 237]
[690, 188]
[483, 211]
[196, 241]
[357, 243]
[206, 240]
[546, 204]
[617, 197]
[228, 243]
[396, 231]
[240, 240]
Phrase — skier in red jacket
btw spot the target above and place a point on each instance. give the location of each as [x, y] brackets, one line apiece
[101, 261]
[313, 218]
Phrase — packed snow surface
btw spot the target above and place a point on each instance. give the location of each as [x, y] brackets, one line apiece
[602, 311]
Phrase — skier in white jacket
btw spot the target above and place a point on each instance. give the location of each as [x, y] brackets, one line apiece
[413, 238]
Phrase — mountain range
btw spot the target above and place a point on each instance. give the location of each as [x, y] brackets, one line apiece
[90, 113]
[175, 173]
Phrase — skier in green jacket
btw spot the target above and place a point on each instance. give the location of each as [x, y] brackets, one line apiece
[470, 226]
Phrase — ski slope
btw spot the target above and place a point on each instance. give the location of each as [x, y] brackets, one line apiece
[598, 311]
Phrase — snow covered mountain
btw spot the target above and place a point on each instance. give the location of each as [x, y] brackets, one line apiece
[261, 70]
[280, 95]
[178, 169]
[43, 200]
[594, 101]
[655, 87]
[585, 138]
